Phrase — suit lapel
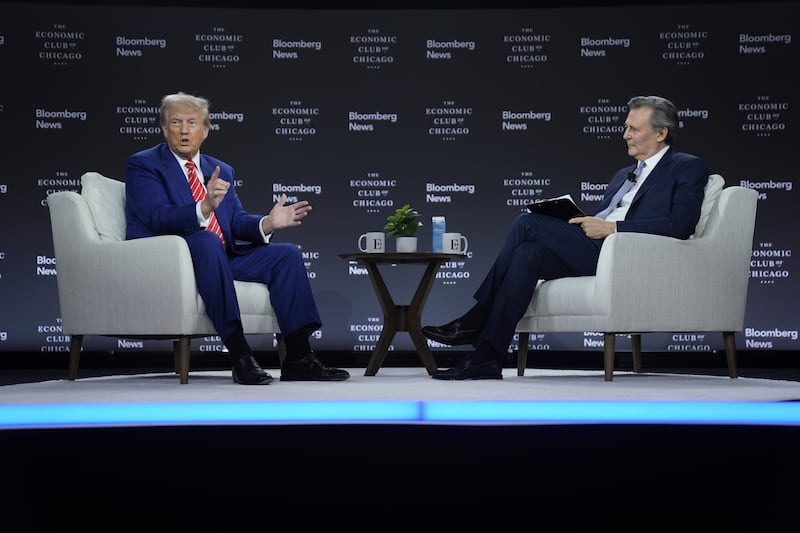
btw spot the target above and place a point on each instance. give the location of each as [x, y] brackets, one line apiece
[174, 177]
[206, 167]
[656, 174]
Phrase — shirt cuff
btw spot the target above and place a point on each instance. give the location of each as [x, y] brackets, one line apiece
[261, 230]
[201, 220]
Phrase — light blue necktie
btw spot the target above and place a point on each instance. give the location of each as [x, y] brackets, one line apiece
[624, 188]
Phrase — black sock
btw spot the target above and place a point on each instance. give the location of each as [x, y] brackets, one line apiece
[484, 352]
[475, 318]
[237, 345]
[297, 345]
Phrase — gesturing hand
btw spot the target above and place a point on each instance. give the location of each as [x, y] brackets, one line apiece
[286, 216]
[216, 189]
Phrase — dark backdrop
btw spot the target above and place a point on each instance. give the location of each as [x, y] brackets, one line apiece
[464, 111]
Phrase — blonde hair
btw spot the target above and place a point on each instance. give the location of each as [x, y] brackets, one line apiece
[171, 101]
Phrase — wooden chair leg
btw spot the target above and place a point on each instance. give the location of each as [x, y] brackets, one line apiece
[608, 355]
[75, 345]
[176, 349]
[522, 352]
[730, 353]
[182, 346]
[636, 351]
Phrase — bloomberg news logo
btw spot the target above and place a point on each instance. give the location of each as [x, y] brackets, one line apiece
[136, 46]
[750, 44]
[763, 338]
[519, 120]
[446, 50]
[57, 119]
[290, 50]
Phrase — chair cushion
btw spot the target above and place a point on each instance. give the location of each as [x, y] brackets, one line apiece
[712, 190]
[106, 200]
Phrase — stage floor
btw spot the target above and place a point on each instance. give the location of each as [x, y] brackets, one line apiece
[401, 396]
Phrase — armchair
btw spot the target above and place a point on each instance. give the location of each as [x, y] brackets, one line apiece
[137, 289]
[650, 283]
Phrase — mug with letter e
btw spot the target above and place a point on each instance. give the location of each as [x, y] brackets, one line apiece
[372, 242]
[454, 243]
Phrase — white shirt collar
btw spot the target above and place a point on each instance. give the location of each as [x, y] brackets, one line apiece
[651, 162]
[182, 163]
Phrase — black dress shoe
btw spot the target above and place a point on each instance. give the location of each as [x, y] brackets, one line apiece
[485, 370]
[247, 372]
[452, 334]
[310, 368]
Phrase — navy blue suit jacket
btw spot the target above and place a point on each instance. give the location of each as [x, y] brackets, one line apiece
[159, 201]
[668, 202]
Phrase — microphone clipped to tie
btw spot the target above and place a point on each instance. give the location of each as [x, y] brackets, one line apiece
[635, 173]
[626, 186]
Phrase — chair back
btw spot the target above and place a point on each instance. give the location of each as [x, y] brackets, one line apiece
[105, 198]
[710, 197]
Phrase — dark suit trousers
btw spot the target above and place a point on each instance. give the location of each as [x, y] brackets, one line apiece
[536, 247]
[279, 265]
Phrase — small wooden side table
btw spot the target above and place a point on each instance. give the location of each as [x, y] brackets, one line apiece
[401, 317]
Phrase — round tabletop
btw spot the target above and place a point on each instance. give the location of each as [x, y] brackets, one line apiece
[401, 257]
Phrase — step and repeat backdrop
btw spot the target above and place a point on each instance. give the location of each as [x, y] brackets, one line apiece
[465, 114]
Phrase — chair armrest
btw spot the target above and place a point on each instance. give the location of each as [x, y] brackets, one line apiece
[149, 282]
[646, 277]
[160, 267]
[635, 260]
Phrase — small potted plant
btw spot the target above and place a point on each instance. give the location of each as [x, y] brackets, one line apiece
[404, 224]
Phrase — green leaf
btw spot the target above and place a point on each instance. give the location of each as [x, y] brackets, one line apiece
[404, 222]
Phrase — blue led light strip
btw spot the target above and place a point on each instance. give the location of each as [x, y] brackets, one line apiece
[488, 412]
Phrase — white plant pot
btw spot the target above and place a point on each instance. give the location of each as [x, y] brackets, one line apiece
[406, 244]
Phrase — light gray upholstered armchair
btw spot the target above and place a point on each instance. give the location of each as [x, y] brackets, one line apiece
[649, 283]
[137, 289]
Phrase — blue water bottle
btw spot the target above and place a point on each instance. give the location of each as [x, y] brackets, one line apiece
[437, 223]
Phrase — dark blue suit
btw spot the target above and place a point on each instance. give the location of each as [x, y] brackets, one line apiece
[159, 202]
[542, 247]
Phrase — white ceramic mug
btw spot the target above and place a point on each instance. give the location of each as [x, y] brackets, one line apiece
[454, 243]
[372, 242]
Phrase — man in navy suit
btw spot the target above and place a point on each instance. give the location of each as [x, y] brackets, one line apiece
[160, 202]
[664, 198]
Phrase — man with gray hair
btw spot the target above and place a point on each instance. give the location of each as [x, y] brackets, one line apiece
[661, 194]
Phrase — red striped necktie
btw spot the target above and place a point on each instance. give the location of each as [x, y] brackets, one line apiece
[199, 193]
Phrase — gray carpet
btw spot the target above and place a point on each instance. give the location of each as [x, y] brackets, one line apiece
[401, 396]
[409, 384]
